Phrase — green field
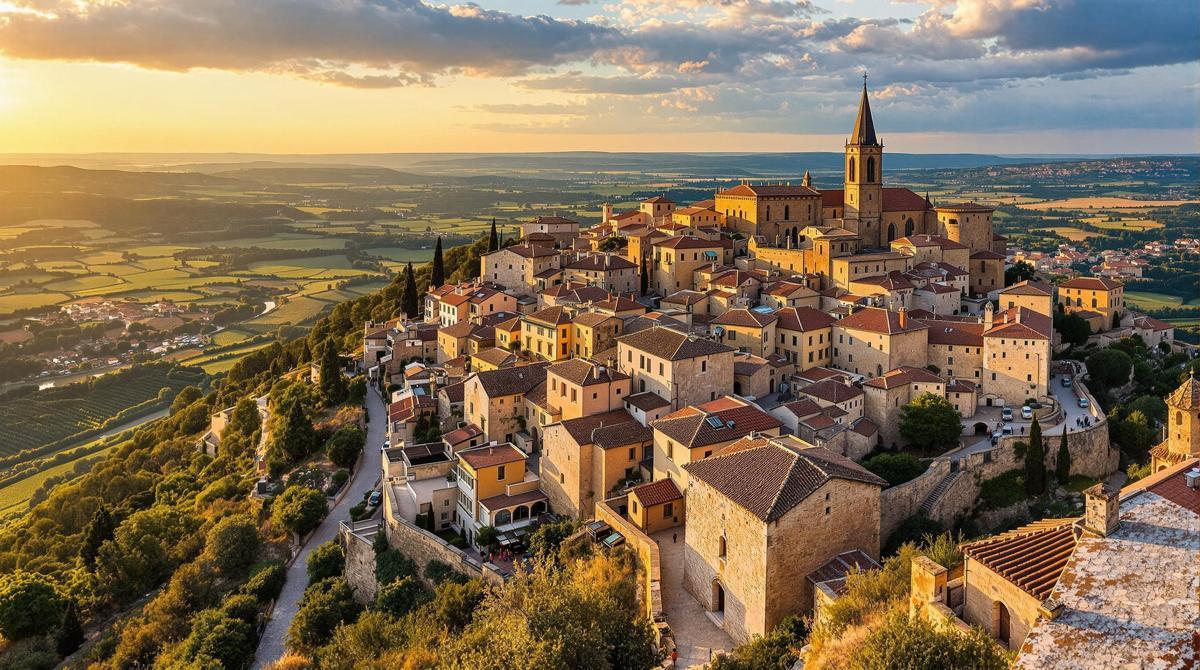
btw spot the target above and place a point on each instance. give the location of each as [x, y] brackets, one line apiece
[14, 496]
[1147, 300]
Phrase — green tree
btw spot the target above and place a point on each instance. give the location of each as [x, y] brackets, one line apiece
[917, 644]
[356, 392]
[327, 560]
[1035, 461]
[265, 583]
[1019, 272]
[409, 297]
[232, 544]
[333, 382]
[217, 640]
[487, 537]
[299, 509]
[186, 396]
[345, 446]
[454, 603]
[545, 541]
[401, 596]
[437, 275]
[100, 530]
[27, 602]
[1073, 328]
[779, 649]
[493, 240]
[895, 467]
[325, 606]
[930, 424]
[1062, 467]
[295, 438]
[1110, 367]
[245, 419]
[70, 634]
[391, 565]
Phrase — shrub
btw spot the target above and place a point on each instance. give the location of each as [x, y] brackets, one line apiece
[27, 602]
[391, 565]
[778, 649]
[930, 423]
[232, 543]
[917, 644]
[401, 596]
[454, 603]
[896, 468]
[325, 605]
[326, 560]
[438, 572]
[913, 530]
[1002, 490]
[299, 509]
[345, 446]
[265, 583]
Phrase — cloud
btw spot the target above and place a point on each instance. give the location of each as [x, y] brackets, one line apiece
[389, 42]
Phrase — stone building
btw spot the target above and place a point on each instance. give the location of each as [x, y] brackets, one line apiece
[682, 369]
[695, 433]
[607, 271]
[516, 267]
[1105, 297]
[872, 341]
[1033, 295]
[493, 401]
[1183, 427]
[562, 230]
[761, 517]
[675, 259]
[585, 459]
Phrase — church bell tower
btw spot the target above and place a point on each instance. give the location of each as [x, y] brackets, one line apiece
[864, 175]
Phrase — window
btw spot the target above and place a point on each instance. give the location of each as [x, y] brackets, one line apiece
[668, 510]
[871, 169]
[632, 453]
[500, 473]
[721, 547]
[703, 366]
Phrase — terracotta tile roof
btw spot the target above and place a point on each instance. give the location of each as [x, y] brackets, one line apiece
[832, 390]
[901, 376]
[548, 273]
[833, 573]
[770, 191]
[938, 288]
[746, 318]
[1030, 287]
[528, 251]
[929, 241]
[490, 456]
[955, 333]
[659, 199]
[672, 344]
[1093, 283]
[1020, 323]
[687, 242]
[657, 493]
[647, 401]
[591, 319]
[551, 316]
[965, 207]
[894, 200]
[782, 288]
[621, 434]
[1031, 557]
[1187, 396]
[503, 501]
[694, 429]
[818, 373]
[961, 386]
[460, 330]
[932, 270]
[554, 219]
[460, 435]
[864, 427]
[892, 281]
[684, 297]
[454, 392]
[818, 421]
[510, 325]
[1169, 483]
[985, 255]
[803, 319]
[747, 364]
[618, 304]
[803, 408]
[511, 381]
[495, 356]
[625, 215]
[602, 262]
[768, 480]
[585, 373]
[583, 429]
[877, 320]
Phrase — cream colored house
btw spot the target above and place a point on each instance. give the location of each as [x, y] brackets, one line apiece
[681, 369]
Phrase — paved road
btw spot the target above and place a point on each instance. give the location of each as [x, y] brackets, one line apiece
[271, 647]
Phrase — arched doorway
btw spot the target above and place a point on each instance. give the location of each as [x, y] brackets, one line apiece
[981, 428]
[1003, 624]
[539, 507]
[795, 235]
[737, 388]
[909, 227]
[521, 513]
[891, 232]
[718, 598]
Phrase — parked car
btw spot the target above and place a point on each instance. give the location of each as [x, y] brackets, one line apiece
[387, 444]
[1007, 430]
[1067, 382]
[1006, 414]
[1083, 402]
[375, 499]
[1026, 412]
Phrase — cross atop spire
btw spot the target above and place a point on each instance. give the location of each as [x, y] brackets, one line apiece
[864, 126]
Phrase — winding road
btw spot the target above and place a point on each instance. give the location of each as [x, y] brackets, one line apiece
[366, 476]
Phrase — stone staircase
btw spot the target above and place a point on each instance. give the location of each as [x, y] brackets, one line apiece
[936, 494]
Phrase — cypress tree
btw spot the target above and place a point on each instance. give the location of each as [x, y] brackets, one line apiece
[1062, 469]
[493, 241]
[296, 438]
[409, 298]
[438, 276]
[1035, 462]
[100, 530]
[333, 382]
[70, 632]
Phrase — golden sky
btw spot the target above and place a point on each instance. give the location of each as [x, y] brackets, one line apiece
[351, 76]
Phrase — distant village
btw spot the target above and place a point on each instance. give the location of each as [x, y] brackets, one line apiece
[1113, 263]
[701, 382]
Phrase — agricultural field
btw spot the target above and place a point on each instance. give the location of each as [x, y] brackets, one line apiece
[1138, 225]
[1073, 234]
[1103, 202]
[16, 494]
[1147, 300]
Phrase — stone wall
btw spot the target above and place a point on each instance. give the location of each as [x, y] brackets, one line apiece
[422, 546]
[360, 560]
[1091, 456]
[647, 553]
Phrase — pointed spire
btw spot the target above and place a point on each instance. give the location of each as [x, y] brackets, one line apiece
[864, 126]
[807, 179]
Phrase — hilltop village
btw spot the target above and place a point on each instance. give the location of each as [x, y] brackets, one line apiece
[702, 382]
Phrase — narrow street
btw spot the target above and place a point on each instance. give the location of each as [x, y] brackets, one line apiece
[366, 475]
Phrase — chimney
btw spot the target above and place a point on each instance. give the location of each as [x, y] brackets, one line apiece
[903, 317]
[1102, 509]
[988, 315]
[1192, 478]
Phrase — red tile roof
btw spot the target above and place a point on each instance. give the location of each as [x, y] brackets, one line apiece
[1031, 557]
[745, 318]
[803, 319]
[770, 191]
[877, 320]
[832, 390]
[901, 376]
[929, 241]
[657, 493]
[490, 456]
[955, 332]
[691, 428]
[894, 200]
[687, 242]
[1093, 283]
[965, 207]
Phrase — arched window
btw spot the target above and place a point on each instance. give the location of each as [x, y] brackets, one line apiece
[539, 507]
[768, 218]
[850, 172]
[909, 227]
[1178, 418]
[787, 212]
[520, 513]
[891, 232]
[503, 517]
[721, 547]
[871, 169]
